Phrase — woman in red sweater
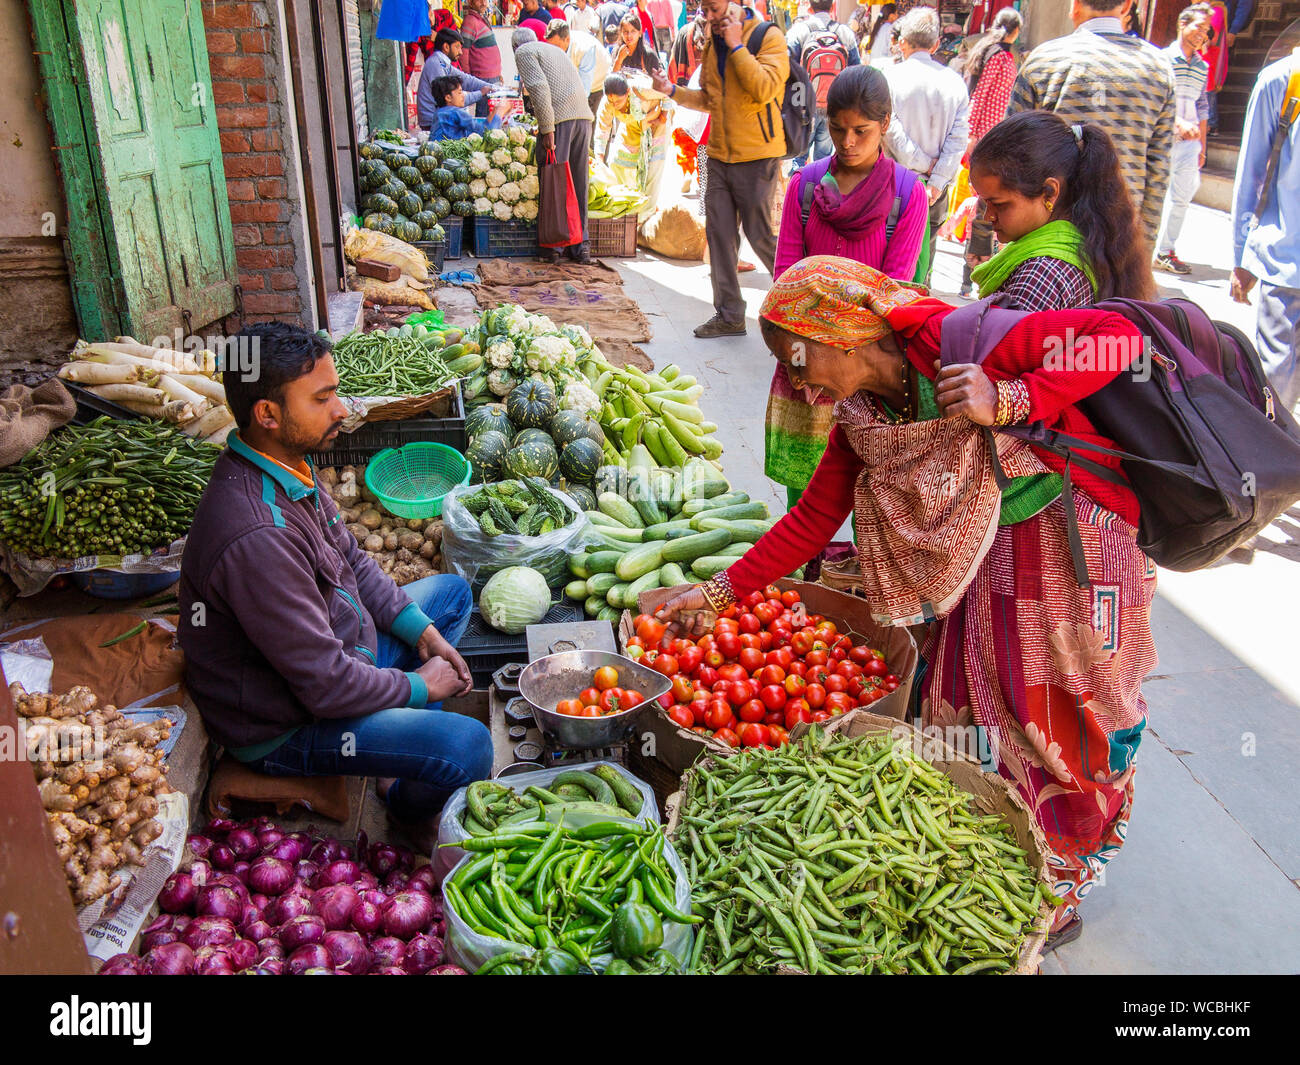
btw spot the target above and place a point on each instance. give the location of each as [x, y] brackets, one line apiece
[1051, 672]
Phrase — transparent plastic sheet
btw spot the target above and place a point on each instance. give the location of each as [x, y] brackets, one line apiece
[470, 951]
[451, 831]
[32, 574]
[473, 554]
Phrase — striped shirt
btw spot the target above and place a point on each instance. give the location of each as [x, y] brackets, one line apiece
[1098, 74]
[1190, 76]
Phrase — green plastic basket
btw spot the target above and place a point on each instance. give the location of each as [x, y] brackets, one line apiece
[411, 481]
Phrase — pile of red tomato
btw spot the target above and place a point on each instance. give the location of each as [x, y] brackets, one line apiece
[604, 697]
[767, 666]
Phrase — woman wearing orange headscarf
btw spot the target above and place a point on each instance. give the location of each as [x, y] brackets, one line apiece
[1050, 671]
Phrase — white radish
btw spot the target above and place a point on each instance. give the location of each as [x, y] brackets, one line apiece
[153, 397]
[97, 373]
[204, 386]
[169, 384]
[219, 437]
[213, 420]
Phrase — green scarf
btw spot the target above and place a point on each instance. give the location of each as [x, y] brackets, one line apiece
[1060, 239]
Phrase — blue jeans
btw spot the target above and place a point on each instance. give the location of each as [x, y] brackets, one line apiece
[431, 753]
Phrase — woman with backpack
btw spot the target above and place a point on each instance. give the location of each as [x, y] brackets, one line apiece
[1049, 671]
[857, 203]
[990, 73]
[1054, 196]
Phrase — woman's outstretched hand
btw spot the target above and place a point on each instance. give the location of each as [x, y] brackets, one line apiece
[964, 390]
[687, 614]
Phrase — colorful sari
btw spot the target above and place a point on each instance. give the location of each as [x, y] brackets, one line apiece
[635, 149]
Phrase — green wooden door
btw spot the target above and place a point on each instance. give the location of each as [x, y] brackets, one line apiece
[130, 100]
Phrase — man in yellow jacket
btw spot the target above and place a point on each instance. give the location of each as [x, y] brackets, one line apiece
[741, 87]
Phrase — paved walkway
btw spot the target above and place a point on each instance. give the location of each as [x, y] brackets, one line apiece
[1208, 879]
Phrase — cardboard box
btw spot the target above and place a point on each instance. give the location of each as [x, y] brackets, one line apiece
[990, 794]
[672, 748]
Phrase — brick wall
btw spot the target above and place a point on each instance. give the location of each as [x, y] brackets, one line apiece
[244, 57]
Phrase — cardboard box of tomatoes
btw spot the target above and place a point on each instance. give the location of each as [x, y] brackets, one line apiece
[669, 746]
[993, 794]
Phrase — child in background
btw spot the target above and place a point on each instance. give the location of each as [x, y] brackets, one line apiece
[453, 120]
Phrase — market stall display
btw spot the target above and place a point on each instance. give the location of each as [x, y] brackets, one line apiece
[406, 549]
[847, 854]
[255, 899]
[564, 898]
[400, 373]
[107, 488]
[99, 776]
[179, 387]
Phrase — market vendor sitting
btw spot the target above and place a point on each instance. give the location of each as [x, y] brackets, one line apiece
[302, 656]
[452, 121]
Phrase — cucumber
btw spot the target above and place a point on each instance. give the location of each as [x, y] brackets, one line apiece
[640, 495]
[578, 565]
[620, 509]
[702, 481]
[665, 529]
[740, 529]
[697, 506]
[612, 543]
[689, 548]
[602, 562]
[614, 597]
[624, 790]
[642, 584]
[601, 583]
[619, 536]
[740, 510]
[671, 575]
[608, 613]
[640, 561]
[711, 565]
[594, 605]
[735, 550]
[576, 590]
[465, 364]
[604, 521]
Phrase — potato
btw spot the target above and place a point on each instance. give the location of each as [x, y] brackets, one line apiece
[403, 555]
[411, 541]
[360, 532]
[346, 494]
[427, 550]
[415, 523]
[390, 541]
[374, 542]
[329, 476]
[371, 518]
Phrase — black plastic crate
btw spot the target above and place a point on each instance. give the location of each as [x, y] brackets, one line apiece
[485, 650]
[434, 250]
[353, 449]
[495, 239]
[440, 250]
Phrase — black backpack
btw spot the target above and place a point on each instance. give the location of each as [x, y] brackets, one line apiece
[798, 105]
[1209, 455]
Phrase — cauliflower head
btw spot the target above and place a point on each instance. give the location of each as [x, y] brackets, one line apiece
[520, 154]
[500, 352]
[502, 210]
[478, 187]
[500, 382]
[517, 134]
[478, 164]
[482, 205]
[577, 336]
[529, 188]
[579, 396]
[527, 210]
[495, 179]
[493, 195]
[501, 157]
[509, 192]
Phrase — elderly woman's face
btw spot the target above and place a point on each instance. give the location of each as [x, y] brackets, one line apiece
[811, 364]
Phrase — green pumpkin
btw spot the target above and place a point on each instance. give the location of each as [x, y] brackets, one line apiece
[532, 404]
[439, 234]
[379, 172]
[580, 459]
[389, 226]
[442, 177]
[394, 189]
[458, 191]
[570, 425]
[460, 173]
[409, 175]
[440, 206]
[368, 150]
[582, 495]
[430, 150]
[487, 453]
[426, 164]
[426, 190]
[383, 203]
[489, 416]
[410, 204]
[425, 219]
[395, 159]
[408, 231]
[376, 220]
[463, 208]
[528, 436]
[533, 459]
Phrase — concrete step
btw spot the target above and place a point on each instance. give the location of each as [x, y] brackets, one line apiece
[1216, 189]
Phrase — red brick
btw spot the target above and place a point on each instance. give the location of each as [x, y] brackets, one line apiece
[246, 236]
[246, 166]
[256, 258]
[256, 212]
[228, 92]
[228, 16]
[240, 190]
[265, 140]
[252, 283]
[254, 42]
[283, 279]
[233, 142]
[245, 116]
[286, 256]
[260, 92]
[237, 66]
[270, 303]
[272, 188]
[275, 234]
[220, 43]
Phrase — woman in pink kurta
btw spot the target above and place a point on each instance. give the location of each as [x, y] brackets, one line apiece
[857, 204]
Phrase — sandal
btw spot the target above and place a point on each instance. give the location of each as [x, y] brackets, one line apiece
[743, 267]
[1067, 933]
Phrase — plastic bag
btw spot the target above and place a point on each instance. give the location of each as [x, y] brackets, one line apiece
[470, 552]
[451, 831]
[404, 292]
[371, 244]
[470, 950]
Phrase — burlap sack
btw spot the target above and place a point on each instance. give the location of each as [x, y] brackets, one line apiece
[674, 231]
[29, 415]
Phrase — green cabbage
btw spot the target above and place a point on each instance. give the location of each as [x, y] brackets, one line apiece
[514, 598]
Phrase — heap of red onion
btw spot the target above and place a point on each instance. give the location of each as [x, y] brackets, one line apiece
[256, 900]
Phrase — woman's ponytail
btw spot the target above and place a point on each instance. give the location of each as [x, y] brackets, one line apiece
[1101, 207]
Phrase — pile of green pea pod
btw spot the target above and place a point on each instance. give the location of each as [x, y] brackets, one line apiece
[850, 855]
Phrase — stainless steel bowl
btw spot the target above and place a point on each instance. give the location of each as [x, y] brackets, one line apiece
[548, 680]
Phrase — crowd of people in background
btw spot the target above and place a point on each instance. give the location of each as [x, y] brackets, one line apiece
[1068, 171]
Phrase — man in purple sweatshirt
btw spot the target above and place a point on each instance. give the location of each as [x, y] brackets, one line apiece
[302, 656]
